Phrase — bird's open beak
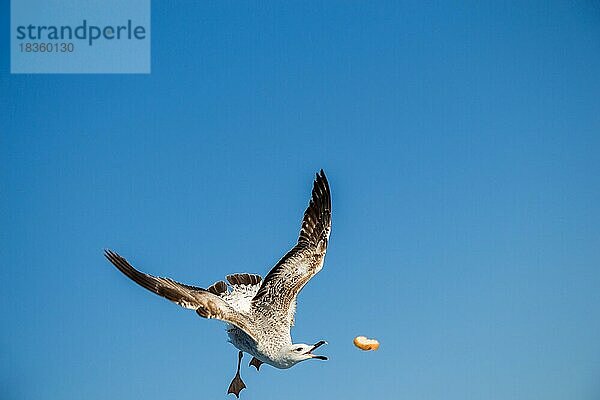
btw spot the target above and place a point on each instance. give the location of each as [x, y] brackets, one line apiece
[316, 346]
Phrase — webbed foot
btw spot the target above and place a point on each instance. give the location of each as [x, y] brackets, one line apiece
[255, 362]
[236, 386]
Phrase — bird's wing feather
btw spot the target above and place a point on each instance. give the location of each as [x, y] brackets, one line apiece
[206, 303]
[283, 283]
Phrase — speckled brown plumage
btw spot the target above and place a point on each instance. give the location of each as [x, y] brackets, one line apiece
[259, 312]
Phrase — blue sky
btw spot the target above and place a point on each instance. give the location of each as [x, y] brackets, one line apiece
[461, 142]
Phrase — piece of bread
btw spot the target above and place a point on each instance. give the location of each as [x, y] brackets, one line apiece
[366, 344]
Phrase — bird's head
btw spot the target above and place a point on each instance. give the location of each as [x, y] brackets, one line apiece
[295, 353]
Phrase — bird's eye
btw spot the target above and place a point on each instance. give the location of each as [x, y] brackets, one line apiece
[299, 349]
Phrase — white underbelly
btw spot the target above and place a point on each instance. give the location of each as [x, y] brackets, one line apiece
[267, 354]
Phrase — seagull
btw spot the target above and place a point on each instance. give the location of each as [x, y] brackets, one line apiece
[259, 313]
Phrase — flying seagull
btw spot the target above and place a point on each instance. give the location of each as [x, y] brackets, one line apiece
[259, 313]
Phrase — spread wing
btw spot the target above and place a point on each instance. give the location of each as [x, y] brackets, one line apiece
[282, 284]
[206, 303]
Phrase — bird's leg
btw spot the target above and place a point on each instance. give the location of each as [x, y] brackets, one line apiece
[237, 384]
